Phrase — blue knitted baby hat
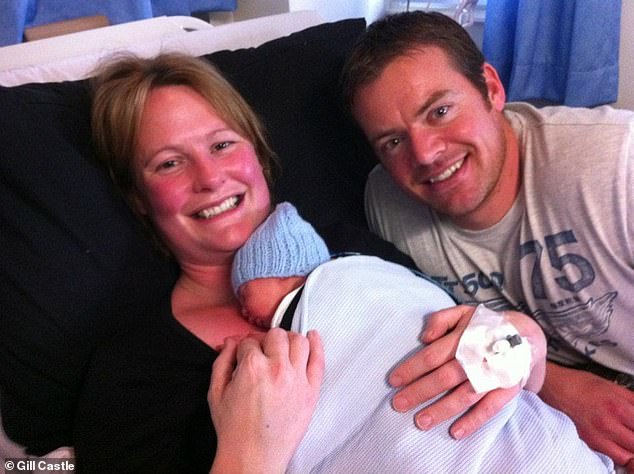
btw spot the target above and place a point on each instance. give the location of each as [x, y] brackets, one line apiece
[283, 245]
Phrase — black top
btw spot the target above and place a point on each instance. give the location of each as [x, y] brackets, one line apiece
[144, 408]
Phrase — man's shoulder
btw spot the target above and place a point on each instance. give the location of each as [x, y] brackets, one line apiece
[379, 177]
[386, 203]
[564, 115]
[381, 189]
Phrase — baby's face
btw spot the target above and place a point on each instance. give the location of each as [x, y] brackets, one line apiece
[260, 298]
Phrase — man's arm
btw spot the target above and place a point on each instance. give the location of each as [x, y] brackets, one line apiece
[602, 410]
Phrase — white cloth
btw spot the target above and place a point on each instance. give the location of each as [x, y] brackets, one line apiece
[370, 314]
[492, 353]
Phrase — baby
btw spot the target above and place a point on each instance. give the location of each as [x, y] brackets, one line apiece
[274, 263]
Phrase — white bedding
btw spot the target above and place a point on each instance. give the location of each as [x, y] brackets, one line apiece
[76, 55]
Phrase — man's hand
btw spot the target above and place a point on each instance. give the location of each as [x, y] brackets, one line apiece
[434, 370]
[602, 410]
[262, 397]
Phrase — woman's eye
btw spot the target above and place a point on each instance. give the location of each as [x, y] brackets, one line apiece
[165, 165]
[168, 165]
[221, 146]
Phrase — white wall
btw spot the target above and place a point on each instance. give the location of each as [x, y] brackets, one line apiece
[257, 8]
[329, 10]
[626, 57]
[332, 10]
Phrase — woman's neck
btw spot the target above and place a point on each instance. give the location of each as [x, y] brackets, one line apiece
[204, 303]
[209, 285]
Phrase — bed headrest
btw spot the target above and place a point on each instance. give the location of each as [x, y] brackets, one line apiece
[293, 84]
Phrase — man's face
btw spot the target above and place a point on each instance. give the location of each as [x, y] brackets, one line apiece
[439, 139]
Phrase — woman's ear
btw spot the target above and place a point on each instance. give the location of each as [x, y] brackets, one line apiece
[495, 88]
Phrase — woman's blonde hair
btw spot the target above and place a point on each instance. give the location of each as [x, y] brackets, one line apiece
[121, 87]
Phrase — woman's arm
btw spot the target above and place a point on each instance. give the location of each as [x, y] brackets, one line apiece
[434, 370]
[262, 397]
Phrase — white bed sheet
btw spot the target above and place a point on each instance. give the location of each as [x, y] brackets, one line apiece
[76, 55]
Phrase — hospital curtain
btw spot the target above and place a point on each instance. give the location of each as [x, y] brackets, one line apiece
[16, 15]
[561, 51]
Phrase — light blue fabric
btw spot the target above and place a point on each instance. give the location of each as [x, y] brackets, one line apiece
[20, 14]
[563, 51]
[369, 314]
[284, 245]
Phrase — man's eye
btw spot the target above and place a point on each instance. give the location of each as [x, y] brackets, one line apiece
[441, 111]
[392, 143]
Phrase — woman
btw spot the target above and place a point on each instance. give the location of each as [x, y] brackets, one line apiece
[190, 157]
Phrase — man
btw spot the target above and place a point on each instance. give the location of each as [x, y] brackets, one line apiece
[508, 205]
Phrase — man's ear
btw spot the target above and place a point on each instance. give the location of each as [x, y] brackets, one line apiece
[495, 88]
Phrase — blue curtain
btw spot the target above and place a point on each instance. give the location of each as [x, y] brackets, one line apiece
[562, 51]
[16, 15]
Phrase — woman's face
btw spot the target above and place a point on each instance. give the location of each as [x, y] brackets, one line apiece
[199, 181]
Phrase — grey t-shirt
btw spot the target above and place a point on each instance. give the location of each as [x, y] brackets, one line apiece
[564, 253]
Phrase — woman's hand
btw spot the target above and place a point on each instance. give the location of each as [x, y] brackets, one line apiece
[602, 410]
[262, 397]
[434, 370]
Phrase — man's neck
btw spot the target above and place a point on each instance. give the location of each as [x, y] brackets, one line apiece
[501, 198]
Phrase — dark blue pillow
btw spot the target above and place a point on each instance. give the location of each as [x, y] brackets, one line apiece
[293, 83]
[74, 262]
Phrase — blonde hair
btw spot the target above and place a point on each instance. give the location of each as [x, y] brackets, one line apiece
[121, 87]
